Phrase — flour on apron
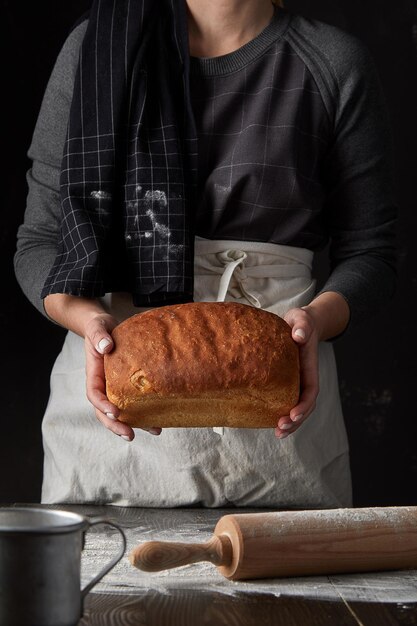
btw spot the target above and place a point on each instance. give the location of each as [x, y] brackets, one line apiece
[85, 462]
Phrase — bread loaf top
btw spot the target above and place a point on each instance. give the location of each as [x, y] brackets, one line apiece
[195, 348]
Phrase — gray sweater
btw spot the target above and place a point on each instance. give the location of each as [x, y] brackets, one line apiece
[294, 149]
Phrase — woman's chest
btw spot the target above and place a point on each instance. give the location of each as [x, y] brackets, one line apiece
[262, 124]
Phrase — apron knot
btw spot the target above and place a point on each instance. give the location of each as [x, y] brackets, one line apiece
[234, 265]
[230, 256]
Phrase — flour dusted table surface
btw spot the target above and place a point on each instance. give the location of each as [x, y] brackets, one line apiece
[198, 594]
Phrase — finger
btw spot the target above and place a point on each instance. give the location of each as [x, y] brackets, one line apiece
[306, 404]
[97, 333]
[118, 428]
[122, 429]
[285, 427]
[96, 385]
[285, 423]
[101, 340]
[309, 383]
[301, 324]
[155, 430]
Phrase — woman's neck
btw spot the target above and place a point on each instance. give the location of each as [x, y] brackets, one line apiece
[217, 27]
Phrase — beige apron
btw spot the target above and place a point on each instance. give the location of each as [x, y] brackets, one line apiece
[85, 462]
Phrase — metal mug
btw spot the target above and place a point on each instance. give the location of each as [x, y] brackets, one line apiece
[40, 562]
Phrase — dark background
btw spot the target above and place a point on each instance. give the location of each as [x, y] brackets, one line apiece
[377, 364]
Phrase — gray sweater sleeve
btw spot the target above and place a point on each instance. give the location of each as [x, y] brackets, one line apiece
[360, 210]
[38, 236]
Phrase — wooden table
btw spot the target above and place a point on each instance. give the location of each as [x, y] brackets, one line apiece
[197, 595]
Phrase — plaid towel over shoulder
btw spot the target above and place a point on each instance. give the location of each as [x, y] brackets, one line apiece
[129, 169]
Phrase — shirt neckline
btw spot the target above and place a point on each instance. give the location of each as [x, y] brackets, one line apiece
[216, 66]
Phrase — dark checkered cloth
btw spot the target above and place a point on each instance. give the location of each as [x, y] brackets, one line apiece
[131, 127]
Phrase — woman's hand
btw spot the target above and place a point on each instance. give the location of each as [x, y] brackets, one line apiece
[325, 317]
[98, 341]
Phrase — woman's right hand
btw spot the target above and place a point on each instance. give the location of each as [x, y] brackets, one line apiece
[98, 341]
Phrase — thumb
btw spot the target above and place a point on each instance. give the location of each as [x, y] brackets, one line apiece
[105, 344]
[301, 325]
[99, 336]
[299, 333]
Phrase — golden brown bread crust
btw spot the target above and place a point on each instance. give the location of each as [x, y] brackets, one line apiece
[203, 364]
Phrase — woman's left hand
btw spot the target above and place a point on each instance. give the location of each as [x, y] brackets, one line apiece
[306, 334]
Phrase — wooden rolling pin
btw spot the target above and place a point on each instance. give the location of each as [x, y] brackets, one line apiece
[296, 543]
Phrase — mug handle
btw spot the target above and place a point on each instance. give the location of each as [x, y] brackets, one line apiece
[113, 562]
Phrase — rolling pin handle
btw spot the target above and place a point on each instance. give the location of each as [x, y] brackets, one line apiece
[154, 556]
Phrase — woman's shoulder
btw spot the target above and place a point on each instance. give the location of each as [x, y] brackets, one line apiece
[64, 70]
[329, 46]
[76, 35]
[339, 60]
[81, 21]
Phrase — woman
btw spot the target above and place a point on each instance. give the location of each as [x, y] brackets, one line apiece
[293, 152]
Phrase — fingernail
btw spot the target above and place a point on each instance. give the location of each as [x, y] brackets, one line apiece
[153, 431]
[111, 416]
[297, 418]
[102, 344]
[125, 437]
[285, 426]
[300, 333]
[282, 435]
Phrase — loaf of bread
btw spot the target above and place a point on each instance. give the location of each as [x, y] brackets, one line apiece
[203, 364]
